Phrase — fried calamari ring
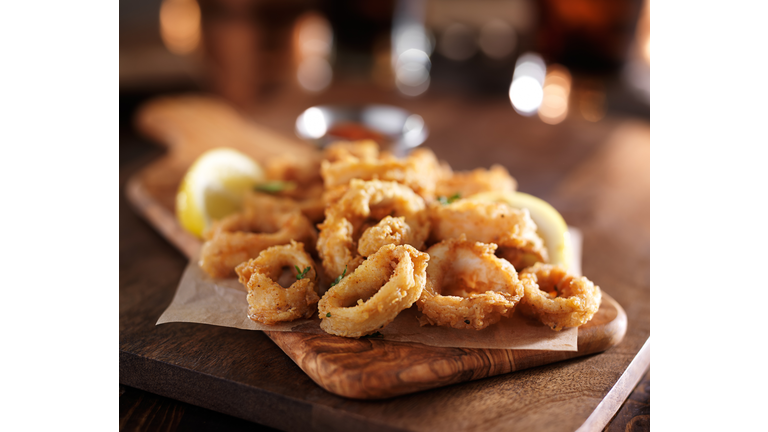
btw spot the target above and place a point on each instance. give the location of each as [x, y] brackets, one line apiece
[468, 286]
[259, 202]
[269, 303]
[369, 298]
[557, 298]
[304, 169]
[332, 195]
[419, 171]
[242, 236]
[390, 230]
[310, 202]
[467, 183]
[363, 205]
[511, 229]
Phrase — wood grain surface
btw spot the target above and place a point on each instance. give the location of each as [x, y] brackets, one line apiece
[374, 369]
[595, 174]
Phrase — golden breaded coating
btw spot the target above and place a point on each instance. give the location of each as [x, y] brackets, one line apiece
[302, 170]
[363, 205]
[242, 236]
[467, 183]
[269, 303]
[369, 298]
[390, 230]
[419, 171]
[468, 286]
[375, 212]
[511, 229]
[558, 298]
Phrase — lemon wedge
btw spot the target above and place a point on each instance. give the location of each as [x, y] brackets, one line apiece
[214, 187]
[551, 226]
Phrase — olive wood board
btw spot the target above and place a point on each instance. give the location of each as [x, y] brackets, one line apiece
[367, 368]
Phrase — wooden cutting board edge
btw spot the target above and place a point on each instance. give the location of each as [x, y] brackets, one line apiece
[335, 370]
[353, 367]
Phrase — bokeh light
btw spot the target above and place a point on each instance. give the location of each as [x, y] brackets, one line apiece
[314, 74]
[312, 124]
[180, 25]
[644, 32]
[526, 91]
[314, 36]
[412, 72]
[526, 94]
[411, 48]
[556, 93]
[313, 48]
[497, 39]
[413, 130]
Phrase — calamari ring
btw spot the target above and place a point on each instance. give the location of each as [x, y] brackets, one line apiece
[269, 303]
[511, 229]
[304, 174]
[419, 171]
[467, 183]
[468, 286]
[369, 298]
[304, 169]
[242, 236]
[557, 298]
[390, 230]
[364, 204]
[332, 195]
[309, 202]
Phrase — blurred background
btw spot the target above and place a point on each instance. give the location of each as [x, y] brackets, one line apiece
[551, 60]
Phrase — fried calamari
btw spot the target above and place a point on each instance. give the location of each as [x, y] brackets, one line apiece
[419, 171]
[242, 236]
[557, 298]
[467, 183]
[359, 214]
[375, 212]
[369, 298]
[467, 286]
[390, 230]
[511, 229]
[270, 303]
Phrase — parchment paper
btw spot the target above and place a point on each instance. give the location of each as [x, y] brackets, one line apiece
[222, 302]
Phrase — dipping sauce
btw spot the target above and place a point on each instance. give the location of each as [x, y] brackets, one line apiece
[355, 132]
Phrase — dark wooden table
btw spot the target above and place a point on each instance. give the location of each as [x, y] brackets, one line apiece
[596, 174]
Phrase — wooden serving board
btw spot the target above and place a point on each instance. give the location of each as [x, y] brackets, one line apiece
[355, 368]
[374, 369]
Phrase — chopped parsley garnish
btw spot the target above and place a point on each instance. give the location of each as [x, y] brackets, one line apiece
[338, 279]
[275, 186]
[301, 273]
[328, 315]
[444, 201]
